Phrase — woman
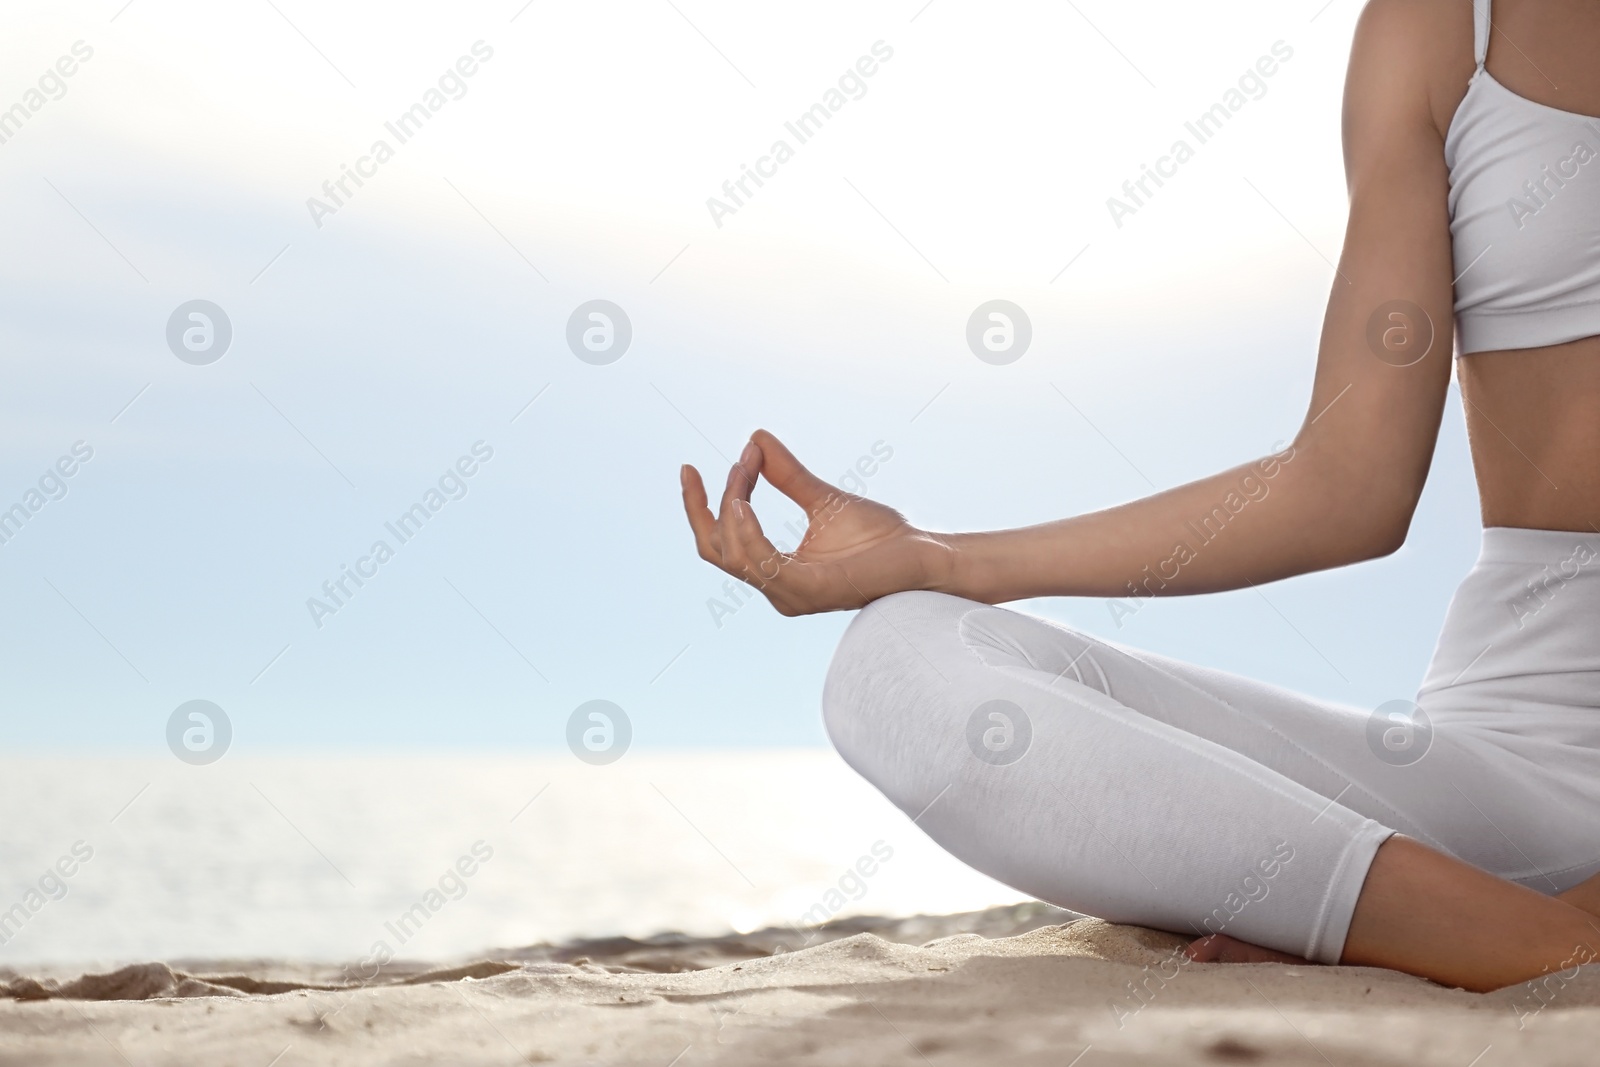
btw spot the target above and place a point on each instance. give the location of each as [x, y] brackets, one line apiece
[1130, 786]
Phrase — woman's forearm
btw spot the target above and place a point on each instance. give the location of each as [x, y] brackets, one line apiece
[1291, 512]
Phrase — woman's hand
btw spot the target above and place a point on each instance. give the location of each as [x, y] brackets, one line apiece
[854, 550]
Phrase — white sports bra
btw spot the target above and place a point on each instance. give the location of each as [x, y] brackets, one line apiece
[1524, 215]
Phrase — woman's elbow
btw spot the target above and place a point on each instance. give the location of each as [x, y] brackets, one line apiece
[1380, 529]
[1345, 523]
[1365, 513]
[1386, 540]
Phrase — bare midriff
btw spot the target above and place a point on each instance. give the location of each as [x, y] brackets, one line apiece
[1533, 417]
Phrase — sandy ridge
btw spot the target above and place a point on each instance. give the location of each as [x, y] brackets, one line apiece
[1046, 995]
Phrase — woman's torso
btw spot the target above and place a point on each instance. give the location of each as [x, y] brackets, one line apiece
[1533, 414]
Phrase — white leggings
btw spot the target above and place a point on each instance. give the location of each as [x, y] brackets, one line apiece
[1140, 789]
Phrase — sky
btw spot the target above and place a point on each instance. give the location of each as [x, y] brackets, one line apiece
[387, 336]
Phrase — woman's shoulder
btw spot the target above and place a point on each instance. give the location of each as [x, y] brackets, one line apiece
[1421, 50]
[1432, 19]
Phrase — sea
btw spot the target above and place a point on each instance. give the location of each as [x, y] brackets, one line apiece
[339, 858]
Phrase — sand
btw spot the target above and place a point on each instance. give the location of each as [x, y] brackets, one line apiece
[1009, 986]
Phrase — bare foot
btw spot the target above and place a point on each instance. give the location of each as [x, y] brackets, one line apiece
[1220, 948]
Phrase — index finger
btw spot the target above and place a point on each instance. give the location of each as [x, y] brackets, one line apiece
[741, 480]
[701, 521]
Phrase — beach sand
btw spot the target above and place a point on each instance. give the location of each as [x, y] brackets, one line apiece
[1026, 984]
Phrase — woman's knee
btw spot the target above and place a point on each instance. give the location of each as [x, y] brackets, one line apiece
[886, 666]
[896, 626]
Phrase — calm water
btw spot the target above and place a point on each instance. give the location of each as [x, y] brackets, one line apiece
[322, 857]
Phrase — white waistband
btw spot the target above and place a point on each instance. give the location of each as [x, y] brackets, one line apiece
[1519, 653]
[1514, 544]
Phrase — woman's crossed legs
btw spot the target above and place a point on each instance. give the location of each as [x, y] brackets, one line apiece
[1144, 790]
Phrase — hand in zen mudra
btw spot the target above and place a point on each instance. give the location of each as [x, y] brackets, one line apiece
[854, 550]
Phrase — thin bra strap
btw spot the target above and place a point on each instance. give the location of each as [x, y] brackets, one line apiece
[1480, 31]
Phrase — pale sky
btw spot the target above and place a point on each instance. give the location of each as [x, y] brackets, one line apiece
[574, 163]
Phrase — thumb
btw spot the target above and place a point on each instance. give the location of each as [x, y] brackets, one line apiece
[788, 475]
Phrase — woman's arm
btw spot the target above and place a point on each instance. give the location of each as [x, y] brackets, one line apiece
[1343, 491]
